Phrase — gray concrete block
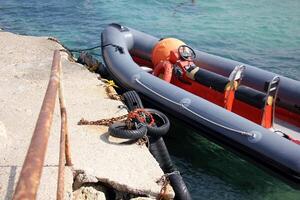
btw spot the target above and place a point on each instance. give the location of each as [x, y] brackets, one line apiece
[24, 75]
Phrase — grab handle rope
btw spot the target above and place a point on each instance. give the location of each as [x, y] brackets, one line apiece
[243, 133]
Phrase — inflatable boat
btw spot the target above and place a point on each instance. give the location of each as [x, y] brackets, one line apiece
[253, 112]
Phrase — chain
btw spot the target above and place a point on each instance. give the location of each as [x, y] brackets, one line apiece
[142, 116]
[134, 118]
[103, 122]
[128, 118]
[144, 141]
[110, 89]
[164, 180]
[114, 96]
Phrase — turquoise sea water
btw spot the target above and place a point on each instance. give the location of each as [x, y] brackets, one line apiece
[264, 33]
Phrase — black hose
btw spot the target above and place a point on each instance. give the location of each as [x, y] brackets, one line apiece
[160, 152]
[181, 191]
[158, 147]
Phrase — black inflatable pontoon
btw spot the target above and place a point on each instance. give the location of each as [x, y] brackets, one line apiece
[122, 45]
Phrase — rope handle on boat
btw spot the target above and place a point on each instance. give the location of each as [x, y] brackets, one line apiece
[243, 133]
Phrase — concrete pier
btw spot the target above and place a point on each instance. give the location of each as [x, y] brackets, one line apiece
[24, 73]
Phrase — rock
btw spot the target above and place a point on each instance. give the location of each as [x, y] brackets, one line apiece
[123, 195]
[87, 59]
[82, 178]
[90, 192]
[169, 194]
[142, 198]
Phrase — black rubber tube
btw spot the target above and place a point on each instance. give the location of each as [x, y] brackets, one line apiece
[181, 191]
[161, 154]
[161, 126]
[157, 145]
[132, 100]
[120, 130]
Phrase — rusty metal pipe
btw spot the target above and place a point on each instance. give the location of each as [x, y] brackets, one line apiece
[62, 160]
[64, 118]
[64, 154]
[30, 176]
[62, 145]
[68, 148]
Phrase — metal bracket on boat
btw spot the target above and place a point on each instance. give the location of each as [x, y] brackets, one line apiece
[272, 91]
[237, 73]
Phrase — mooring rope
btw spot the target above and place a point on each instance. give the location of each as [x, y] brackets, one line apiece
[87, 49]
[76, 50]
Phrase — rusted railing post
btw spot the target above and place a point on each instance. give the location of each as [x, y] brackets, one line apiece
[64, 153]
[30, 176]
[64, 124]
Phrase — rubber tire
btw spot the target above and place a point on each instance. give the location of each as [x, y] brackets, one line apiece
[132, 100]
[162, 123]
[120, 130]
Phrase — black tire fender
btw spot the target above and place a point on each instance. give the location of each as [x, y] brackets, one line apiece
[120, 130]
[161, 126]
[132, 100]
